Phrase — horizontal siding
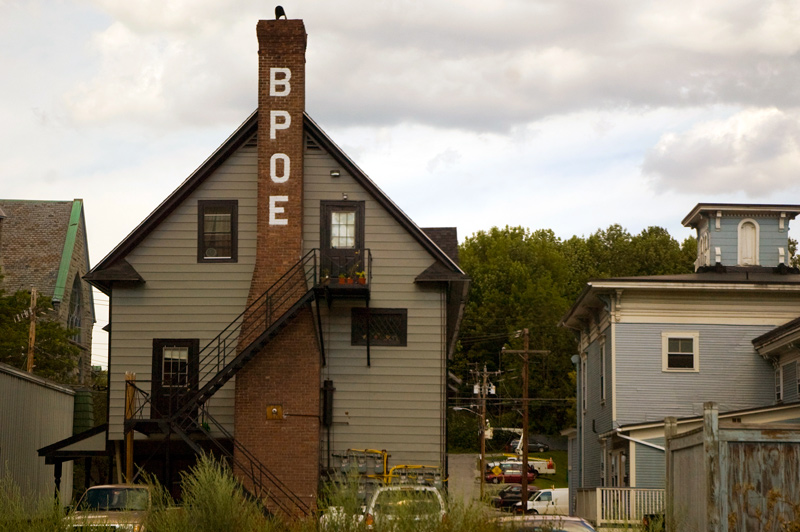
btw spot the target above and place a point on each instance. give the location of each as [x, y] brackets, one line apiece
[731, 372]
[181, 298]
[598, 416]
[396, 403]
[650, 465]
[767, 306]
[727, 238]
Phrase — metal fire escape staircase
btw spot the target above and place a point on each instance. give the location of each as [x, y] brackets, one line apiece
[224, 356]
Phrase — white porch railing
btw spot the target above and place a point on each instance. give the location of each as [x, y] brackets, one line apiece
[618, 505]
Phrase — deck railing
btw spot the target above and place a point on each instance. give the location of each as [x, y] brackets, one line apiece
[607, 506]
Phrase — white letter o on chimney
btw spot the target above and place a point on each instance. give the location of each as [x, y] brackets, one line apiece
[273, 168]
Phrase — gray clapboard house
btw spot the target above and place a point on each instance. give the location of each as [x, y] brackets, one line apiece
[658, 346]
[344, 346]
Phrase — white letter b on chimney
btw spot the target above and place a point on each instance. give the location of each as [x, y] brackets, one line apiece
[279, 87]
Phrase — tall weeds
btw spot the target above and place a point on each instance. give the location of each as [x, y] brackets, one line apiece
[19, 513]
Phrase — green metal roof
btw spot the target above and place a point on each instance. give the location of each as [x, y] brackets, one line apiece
[69, 247]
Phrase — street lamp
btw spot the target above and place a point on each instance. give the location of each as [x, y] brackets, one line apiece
[481, 415]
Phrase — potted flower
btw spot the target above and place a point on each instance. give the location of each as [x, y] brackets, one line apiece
[342, 278]
[361, 277]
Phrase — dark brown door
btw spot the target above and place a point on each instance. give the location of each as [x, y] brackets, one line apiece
[342, 237]
[175, 363]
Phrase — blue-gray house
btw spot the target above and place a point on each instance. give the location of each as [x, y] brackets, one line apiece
[658, 346]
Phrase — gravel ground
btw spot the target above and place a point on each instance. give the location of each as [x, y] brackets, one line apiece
[463, 483]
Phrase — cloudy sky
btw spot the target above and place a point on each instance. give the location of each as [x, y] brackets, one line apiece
[569, 115]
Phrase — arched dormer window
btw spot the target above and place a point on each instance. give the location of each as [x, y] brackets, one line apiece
[748, 242]
[75, 307]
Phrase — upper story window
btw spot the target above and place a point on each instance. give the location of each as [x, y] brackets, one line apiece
[680, 351]
[217, 230]
[748, 242]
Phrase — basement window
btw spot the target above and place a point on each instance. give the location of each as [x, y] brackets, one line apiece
[383, 326]
[217, 230]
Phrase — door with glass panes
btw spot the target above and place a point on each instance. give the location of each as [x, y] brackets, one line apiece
[342, 238]
[175, 363]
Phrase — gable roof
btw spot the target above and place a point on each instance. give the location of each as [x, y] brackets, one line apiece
[38, 243]
[102, 275]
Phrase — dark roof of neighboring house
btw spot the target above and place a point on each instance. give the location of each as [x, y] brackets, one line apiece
[38, 241]
[99, 276]
[777, 332]
[446, 238]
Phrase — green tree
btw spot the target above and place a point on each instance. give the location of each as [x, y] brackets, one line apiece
[55, 355]
[519, 280]
[523, 279]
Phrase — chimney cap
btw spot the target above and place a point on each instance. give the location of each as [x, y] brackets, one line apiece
[279, 12]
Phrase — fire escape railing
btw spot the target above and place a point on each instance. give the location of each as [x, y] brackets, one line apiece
[237, 344]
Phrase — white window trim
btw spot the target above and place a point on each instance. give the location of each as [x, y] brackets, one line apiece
[757, 243]
[665, 337]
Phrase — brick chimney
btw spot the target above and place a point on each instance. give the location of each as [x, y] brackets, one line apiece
[277, 392]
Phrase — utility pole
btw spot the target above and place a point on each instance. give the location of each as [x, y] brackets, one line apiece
[32, 331]
[483, 389]
[524, 353]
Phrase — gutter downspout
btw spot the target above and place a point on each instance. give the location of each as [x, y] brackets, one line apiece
[634, 440]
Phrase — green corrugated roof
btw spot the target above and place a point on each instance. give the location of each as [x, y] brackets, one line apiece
[69, 247]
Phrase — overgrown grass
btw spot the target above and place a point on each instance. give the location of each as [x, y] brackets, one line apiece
[19, 513]
[214, 501]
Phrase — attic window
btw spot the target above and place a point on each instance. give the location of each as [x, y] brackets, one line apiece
[217, 230]
[748, 242]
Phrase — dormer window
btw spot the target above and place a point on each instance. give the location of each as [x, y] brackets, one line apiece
[748, 242]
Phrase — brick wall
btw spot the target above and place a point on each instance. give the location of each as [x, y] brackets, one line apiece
[286, 373]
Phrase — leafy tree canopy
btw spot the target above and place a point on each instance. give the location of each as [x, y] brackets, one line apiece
[529, 279]
[55, 356]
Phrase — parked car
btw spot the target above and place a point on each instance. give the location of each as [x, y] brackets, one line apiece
[545, 523]
[507, 497]
[411, 502]
[514, 446]
[547, 501]
[111, 507]
[509, 472]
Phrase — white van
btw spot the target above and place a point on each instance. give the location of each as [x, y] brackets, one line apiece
[547, 501]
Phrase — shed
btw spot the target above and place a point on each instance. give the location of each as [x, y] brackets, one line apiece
[34, 412]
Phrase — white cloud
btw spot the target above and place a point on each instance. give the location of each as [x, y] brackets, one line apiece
[756, 151]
